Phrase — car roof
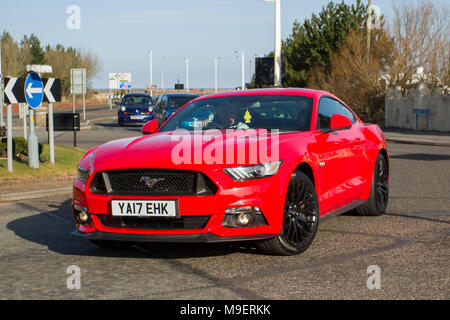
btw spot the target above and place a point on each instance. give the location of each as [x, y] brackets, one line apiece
[181, 94]
[272, 91]
[137, 94]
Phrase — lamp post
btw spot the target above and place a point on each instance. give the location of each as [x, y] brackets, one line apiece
[277, 51]
[187, 73]
[151, 73]
[215, 73]
[242, 69]
[162, 75]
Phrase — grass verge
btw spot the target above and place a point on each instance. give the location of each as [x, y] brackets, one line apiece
[66, 160]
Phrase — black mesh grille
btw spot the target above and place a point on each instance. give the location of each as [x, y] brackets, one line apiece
[152, 182]
[186, 222]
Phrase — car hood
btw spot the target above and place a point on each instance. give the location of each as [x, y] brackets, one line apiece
[167, 149]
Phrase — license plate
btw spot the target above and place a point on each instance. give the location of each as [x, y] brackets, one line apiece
[136, 117]
[144, 208]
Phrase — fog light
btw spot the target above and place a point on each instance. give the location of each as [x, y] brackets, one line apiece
[243, 219]
[240, 217]
[83, 216]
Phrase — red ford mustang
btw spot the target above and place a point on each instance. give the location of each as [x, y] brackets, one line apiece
[260, 165]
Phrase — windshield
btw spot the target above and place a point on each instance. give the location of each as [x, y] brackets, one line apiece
[177, 102]
[245, 112]
[137, 100]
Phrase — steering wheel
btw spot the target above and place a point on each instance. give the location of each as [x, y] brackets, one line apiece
[213, 125]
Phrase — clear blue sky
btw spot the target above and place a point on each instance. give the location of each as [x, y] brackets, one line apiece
[121, 33]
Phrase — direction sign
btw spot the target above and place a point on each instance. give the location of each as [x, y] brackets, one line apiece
[52, 90]
[17, 91]
[119, 80]
[34, 90]
[14, 90]
[78, 81]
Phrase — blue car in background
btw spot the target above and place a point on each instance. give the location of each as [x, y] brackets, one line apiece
[135, 108]
[168, 103]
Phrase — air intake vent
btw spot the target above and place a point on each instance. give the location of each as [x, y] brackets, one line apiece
[160, 182]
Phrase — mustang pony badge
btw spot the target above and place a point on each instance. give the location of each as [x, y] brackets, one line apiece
[150, 182]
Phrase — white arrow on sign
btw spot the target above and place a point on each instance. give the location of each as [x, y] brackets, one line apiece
[30, 90]
[47, 92]
[8, 90]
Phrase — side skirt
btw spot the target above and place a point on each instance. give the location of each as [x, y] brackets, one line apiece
[341, 210]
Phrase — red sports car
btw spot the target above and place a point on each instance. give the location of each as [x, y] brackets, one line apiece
[260, 165]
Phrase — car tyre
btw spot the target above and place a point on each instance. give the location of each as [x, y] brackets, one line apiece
[379, 191]
[300, 219]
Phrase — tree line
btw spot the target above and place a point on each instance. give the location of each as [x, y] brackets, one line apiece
[16, 55]
[330, 51]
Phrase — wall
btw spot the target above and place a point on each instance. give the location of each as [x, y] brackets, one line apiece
[399, 110]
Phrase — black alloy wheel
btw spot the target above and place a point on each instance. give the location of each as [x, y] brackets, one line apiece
[378, 200]
[300, 218]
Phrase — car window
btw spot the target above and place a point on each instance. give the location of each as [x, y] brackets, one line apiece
[177, 102]
[163, 104]
[281, 112]
[137, 100]
[329, 107]
[158, 101]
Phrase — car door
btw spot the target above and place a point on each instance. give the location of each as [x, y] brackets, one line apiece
[340, 155]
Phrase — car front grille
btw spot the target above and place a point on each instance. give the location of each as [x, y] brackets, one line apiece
[158, 182]
[185, 222]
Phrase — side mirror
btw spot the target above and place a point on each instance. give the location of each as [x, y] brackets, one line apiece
[150, 127]
[339, 121]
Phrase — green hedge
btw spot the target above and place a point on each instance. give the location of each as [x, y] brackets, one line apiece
[20, 146]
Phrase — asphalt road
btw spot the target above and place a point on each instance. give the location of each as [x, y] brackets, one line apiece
[410, 245]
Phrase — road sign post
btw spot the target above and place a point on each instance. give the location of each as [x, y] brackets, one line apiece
[34, 94]
[52, 91]
[10, 138]
[24, 109]
[33, 90]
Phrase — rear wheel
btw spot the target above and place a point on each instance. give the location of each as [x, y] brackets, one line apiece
[300, 218]
[379, 192]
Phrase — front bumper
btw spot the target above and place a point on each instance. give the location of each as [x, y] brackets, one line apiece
[268, 194]
[202, 238]
[122, 118]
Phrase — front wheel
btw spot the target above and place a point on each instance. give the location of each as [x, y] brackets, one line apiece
[300, 219]
[379, 192]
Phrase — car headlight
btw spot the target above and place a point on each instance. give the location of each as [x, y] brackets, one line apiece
[150, 109]
[253, 172]
[84, 173]
[123, 109]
